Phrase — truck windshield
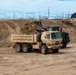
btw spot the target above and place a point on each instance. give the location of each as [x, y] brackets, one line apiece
[53, 36]
[56, 35]
[53, 28]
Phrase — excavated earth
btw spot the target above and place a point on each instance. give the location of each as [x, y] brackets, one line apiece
[34, 63]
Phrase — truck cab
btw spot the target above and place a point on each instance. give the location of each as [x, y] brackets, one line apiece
[52, 39]
[65, 35]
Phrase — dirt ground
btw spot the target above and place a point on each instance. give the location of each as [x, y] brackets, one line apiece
[34, 63]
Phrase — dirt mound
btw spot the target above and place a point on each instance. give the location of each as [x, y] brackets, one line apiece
[29, 27]
[15, 27]
[3, 31]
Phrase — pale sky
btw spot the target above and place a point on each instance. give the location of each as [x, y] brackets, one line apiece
[23, 6]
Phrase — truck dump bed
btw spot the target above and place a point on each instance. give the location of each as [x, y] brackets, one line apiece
[23, 38]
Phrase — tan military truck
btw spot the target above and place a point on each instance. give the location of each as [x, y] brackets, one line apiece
[44, 41]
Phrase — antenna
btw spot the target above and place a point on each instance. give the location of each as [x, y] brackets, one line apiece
[48, 12]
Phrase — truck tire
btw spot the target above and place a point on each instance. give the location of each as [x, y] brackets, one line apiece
[44, 49]
[18, 48]
[55, 50]
[64, 44]
[25, 48]
[39, 37]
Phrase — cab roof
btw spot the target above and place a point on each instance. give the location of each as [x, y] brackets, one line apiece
[50, 32]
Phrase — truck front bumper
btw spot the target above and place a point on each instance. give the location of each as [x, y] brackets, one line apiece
[55, 46]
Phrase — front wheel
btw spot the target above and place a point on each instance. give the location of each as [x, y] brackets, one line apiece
[44, 49]
[55, 50]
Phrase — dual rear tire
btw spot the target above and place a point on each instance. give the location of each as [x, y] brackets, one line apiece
[26, 48]
[22, 48]
[18, 48]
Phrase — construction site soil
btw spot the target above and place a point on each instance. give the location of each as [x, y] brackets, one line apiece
[34, 63]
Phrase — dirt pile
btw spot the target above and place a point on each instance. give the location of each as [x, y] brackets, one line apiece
[3, 32]
[28, 27]
[15, 27]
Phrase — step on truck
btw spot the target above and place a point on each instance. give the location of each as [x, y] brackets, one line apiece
[44, 41]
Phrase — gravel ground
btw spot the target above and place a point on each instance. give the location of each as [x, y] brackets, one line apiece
[34, 63]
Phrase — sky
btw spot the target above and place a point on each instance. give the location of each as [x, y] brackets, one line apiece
[37, 6]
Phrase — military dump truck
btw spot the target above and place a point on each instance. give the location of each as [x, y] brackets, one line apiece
[44, 41]
[65, 35]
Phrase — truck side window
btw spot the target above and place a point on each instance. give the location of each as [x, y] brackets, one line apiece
[53, 35]
[58, 35]
[48, 36]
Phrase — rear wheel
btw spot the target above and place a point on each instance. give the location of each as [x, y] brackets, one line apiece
[25, 48]
[18, 48]
[55, 50]
[44, 49]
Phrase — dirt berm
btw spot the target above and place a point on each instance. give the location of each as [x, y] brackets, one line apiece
[9, 27]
